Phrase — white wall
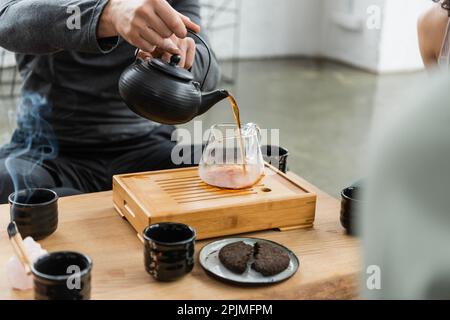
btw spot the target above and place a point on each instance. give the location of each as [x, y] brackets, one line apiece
[269, 28]
[399, 49]
[336, 29]
[392, 47]
[354, 44]
[321, 28]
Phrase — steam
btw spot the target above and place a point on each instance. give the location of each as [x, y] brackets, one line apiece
[33, 141]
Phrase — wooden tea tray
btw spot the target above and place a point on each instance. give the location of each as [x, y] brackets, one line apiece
[179, 195]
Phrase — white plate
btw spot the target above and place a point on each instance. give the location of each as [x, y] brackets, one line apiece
[209, 260]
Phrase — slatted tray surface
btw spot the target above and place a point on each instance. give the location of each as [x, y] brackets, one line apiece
[180, 195]
[191, 189]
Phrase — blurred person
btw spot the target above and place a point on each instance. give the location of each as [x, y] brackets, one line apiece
[74, 132]
[406, 222]
[434, 35]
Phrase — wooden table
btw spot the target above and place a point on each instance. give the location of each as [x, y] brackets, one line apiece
[329, 259]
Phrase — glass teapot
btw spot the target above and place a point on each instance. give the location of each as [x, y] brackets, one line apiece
[232, 158]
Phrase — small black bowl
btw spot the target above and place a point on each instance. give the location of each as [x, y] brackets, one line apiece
[169, 250]
[276, 156]
[35, 212]
[350, 208]
[62, 275]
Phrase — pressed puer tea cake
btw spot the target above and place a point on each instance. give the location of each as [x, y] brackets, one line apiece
[267, 258]
[235, 256]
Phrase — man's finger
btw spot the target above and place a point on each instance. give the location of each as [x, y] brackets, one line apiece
[150, 36]
[143, 55]
[158, 53]
[155, 23]
[166, 57]
[155, 39]
[183, 45]
[143, 44]
[170, 47]
[171, 18]
[189, 23]
[190, 53]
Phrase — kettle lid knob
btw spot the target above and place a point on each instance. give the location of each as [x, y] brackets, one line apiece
[171, 68]
[175, 60]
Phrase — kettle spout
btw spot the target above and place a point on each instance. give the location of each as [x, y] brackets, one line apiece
[210, 99]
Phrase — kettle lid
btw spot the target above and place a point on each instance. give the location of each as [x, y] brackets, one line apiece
[171, 68]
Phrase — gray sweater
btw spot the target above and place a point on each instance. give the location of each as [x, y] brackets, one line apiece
[76, 72]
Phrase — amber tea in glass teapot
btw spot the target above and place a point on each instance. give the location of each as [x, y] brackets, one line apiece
[232, 157]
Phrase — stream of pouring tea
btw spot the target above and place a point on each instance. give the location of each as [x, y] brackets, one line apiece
[237, 117]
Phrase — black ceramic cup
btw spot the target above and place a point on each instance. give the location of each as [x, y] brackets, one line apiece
[35, 212]
[350, 208]
[169, 250]
[62, 275]
[276, 156]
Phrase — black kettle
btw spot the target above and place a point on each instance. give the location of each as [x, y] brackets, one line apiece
[166, 93]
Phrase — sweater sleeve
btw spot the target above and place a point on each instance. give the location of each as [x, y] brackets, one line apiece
[47, 26]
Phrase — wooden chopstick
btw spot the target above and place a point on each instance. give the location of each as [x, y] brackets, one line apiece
[19, 248]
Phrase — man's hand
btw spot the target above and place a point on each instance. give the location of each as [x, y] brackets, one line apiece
[187, 52]
[146, 24]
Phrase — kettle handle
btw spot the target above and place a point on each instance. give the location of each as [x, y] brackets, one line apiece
[195, 35]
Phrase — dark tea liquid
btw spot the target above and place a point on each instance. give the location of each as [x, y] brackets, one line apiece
[232, 176]
[237, 117]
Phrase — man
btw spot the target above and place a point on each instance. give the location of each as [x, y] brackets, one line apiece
[73, 131]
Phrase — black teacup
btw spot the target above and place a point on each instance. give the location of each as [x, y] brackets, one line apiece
[276, 156]
[35, 212]
[350, 208]
[62, 276]
[169, 250]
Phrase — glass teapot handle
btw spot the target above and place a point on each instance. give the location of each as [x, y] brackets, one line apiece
[256, 130]
[258, 133]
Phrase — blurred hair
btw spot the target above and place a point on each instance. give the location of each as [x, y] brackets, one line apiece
[445, 4]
